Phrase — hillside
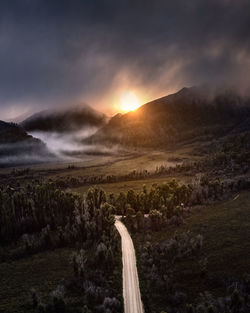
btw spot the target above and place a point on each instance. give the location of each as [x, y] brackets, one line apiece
[17, 147]
[65, 120]
[197, 112]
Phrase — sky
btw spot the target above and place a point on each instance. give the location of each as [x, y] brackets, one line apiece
[57, 53]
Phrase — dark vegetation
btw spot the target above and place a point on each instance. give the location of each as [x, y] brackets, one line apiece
[186, 267]
[41, 217]
[11, 133]
[174, 269]
[36, 218]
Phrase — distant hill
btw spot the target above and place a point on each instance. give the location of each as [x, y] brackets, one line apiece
[196, 112]
[12, 133]
[17, 147]
[66, 120]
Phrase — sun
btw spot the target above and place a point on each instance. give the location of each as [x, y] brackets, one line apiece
[129, 101]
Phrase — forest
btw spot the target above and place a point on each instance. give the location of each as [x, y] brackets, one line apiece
[42, 215]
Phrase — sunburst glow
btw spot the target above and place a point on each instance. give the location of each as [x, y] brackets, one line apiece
[129, 101]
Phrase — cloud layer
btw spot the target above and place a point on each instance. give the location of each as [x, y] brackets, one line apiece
[57, 53]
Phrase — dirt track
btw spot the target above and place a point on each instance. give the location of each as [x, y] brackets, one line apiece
[131, 290]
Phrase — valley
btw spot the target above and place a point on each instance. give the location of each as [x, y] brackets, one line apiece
[185, 206]
[124, 156]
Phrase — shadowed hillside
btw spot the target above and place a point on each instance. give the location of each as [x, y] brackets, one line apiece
[197, 112]
[17, 147]
[67, 120]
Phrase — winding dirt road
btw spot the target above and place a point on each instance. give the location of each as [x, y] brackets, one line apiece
[131, 290]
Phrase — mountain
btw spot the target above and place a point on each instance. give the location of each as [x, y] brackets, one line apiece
[196, 112]
[17, 147]
[65, 120]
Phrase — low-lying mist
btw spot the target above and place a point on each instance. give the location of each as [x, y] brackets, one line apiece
[71, 147]
[24, 152]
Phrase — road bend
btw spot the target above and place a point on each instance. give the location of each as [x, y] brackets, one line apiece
[131, 289]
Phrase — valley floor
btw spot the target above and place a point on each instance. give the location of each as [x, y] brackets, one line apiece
[225, 226]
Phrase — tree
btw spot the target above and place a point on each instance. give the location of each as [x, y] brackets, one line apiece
[155, 218]
[140, 221]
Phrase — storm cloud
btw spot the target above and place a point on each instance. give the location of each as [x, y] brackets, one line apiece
[57, 53]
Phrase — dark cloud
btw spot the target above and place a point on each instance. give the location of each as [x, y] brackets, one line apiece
[59, 52]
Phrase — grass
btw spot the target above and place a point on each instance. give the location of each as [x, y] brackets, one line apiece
[117, 165]
[111, 165]
[43, 271]
[226, 230]
[136, 185]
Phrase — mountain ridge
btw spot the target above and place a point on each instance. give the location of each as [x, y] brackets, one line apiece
[190, 112]
[64, 120]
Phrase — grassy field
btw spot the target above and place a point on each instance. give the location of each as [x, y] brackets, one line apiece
[135, 185]
[226, 230]
[42, 271]
[112, 165]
